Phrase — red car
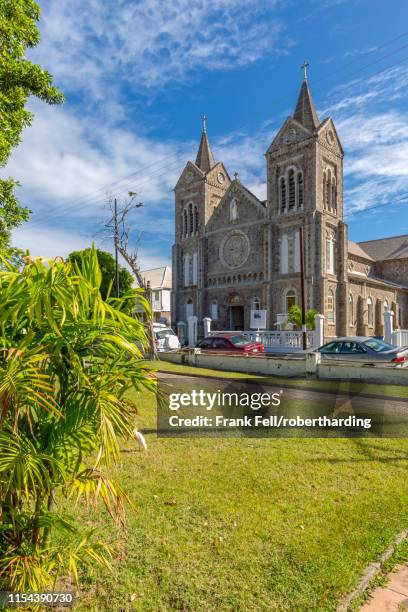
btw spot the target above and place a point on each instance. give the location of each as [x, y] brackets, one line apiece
[236, 343]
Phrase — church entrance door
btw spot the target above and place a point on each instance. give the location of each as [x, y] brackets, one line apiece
[236, 318]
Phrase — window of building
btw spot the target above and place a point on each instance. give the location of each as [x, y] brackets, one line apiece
[195, 219]
[386, 306]
[324, 190]
[156, 296]
[283, 194]
[300, 189]
[185, 228]
[330, 305]
[292, 189]
[186, 270]
[214, 310]
[284, 254]
[328, 190]
[334, 195]
[195, 268]
[370, 312]
[191, 219]
[351, 309]
[290, 299]
[330, 254]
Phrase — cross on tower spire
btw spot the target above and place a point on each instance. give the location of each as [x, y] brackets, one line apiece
[205, 160]
[304, 67]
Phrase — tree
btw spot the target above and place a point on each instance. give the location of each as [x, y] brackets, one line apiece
[107, 267]
[19, 79]
[295, 317]
[67, 364]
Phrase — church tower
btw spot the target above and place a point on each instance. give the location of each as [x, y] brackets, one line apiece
[305, 189]
[197, 194]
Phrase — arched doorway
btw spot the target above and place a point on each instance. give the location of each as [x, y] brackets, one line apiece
[236, 312]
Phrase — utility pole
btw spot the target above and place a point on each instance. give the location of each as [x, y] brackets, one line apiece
[302, 287]
[116, 241]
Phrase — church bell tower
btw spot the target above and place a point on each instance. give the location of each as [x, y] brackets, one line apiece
[305, 189]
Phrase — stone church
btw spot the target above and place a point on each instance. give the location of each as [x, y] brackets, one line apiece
[234, 253]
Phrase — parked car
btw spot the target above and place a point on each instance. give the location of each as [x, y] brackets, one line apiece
[165, 338]
[236, 343]
[364, 350]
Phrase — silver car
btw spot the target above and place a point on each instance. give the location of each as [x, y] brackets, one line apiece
[367, 351]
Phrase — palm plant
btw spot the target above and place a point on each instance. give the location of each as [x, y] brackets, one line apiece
[68, 359]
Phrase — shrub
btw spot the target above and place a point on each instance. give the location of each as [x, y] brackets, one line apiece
[67, 361]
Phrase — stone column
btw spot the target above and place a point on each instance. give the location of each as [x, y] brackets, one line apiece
[388, 326]
[394, 308]
[318, 334]
[181, 332]
[192, 330]
[379, 327]
[361, 317]
[207, 326]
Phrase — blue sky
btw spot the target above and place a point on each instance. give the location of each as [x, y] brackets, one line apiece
[138, 75]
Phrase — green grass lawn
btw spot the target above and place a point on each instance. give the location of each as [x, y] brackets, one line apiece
[247, 524]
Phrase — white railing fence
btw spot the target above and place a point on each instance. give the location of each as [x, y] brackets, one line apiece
[399, 337]
[288, 341]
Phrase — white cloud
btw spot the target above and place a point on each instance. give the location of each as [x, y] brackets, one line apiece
[373, 129]
[150, 42]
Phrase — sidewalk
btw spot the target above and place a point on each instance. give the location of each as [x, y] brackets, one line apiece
[393, 597]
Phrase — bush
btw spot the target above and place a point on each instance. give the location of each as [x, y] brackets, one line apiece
[295, 317]
[67, 361]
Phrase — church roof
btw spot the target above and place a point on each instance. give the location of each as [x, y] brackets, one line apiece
[205, 159]
[238, 182]
[395, 247]
[356, 250]
[305, 112]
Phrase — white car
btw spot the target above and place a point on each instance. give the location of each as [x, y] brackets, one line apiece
[165, 338]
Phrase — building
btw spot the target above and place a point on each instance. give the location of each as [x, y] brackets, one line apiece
[234, 252]
[160, 285]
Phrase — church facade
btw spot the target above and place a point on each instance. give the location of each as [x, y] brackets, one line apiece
[234, 253]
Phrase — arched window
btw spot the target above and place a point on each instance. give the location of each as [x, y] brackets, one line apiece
[386, 306]
[351, 309]
[186, 270]
[328, 190]
[292, 189]
[214, 310]
[334, 195]
[290, 299]
[195, 219]
[300, 189]
[184, 231]
[283, 194]
[191, 219]
[284, 254]
[370, 312]
[330, 254]
[330, 305]
[195, 268]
